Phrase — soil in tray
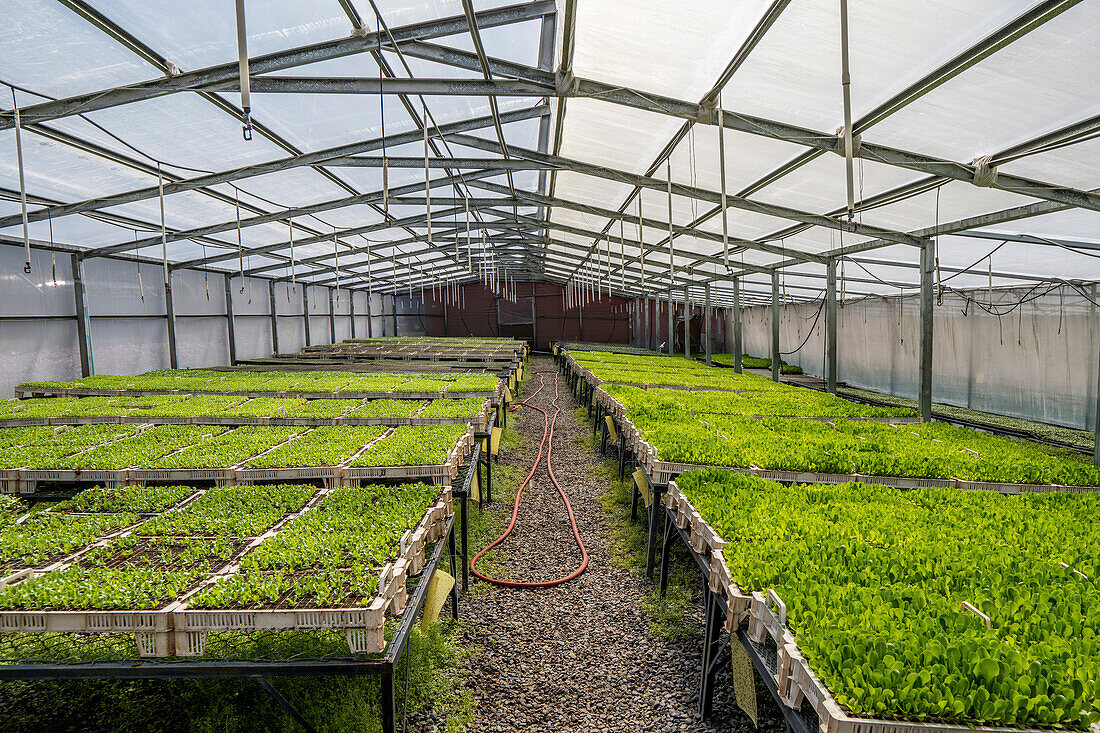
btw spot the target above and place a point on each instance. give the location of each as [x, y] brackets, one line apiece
[204, 554]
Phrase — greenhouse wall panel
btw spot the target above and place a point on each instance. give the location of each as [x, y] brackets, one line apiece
[1035, 360]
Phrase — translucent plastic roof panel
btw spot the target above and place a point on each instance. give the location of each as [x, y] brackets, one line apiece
[57, 171]
[52, 50]
[793, 75]
[203, 32]
[1074, 165]
[1043, 81]
[957, 200]
[317, 121]
[674, 49]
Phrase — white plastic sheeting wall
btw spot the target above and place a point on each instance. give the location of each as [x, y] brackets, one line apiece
[37, 323]
[1038, 361]
[129, 331]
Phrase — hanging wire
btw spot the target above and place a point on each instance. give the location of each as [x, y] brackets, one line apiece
[53, 252]
[22, 184]
[671, 257]
[240, 244]
[137, 263]
[163, 228]
[205, 273]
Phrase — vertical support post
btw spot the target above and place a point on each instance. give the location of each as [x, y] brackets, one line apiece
[496, 302]
[351, 310]
[446, 324]
[170, 320]
[775, 325]
[706, 320]
[83, 326]
[274, 318]
[230, 325]
[671, 322]
[737, 347]
[305, 311]
[534, 322]
[393, 302]
[687, 323]
[580, 322]
[1096, 424]
[646, 343]
[927, 265]
[389, 710]
[370, 315]
[830, 326]
[331, 318]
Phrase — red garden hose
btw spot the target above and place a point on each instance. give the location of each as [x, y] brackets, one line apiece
[548, 424]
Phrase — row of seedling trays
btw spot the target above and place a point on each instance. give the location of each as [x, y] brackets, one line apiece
[480, 420]
[24, 391]
[765, 618]
[661, 472]
[27, 480]
[177, 630]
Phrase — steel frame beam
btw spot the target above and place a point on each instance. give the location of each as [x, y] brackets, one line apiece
[294, 161]
[331, 49]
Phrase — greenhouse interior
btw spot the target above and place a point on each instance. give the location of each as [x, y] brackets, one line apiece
[599, 365]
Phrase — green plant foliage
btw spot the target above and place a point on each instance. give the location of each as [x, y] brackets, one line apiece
[231, 511]
[47, 536]
[424, 445]
[791, 401]
[386, 408]
[222, 448]
[142, 449]
[324, 446]
[931, 450]
[473, 383]
[47, 447]
[98, 588]
[873, 579]
[139, 499]
[468, 407]
[319, 408]
[328, 556]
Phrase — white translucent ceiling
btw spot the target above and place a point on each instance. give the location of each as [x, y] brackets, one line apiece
[1043, 80]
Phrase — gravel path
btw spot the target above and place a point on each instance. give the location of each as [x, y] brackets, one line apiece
[577, 657]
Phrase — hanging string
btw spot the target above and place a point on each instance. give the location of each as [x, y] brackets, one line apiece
[205, 273]
[137, 262]
[671, 259]
[722, 174]
[622, 258]
[293, 275]
[240, 245]
[427, 182]
[336, 254]
[939, 273]
[22, 184]
[163, 229]
[382, 116]
[53, 252]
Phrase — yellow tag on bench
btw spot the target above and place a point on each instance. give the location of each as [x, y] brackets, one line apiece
[475, 490]
[496, 440]
[438, 590]
[611, 434]
[643, 486]
[744, 685]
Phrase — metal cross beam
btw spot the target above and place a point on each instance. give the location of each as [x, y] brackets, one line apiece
[755, 125]
[290, 58]
[259, 169]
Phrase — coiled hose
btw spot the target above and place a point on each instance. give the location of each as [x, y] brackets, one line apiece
[547, 442]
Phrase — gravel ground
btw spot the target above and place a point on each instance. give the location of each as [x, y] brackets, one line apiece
[578, 657]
